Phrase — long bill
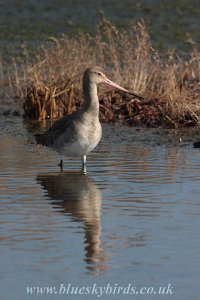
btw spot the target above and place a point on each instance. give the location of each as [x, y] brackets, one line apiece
[108, 81]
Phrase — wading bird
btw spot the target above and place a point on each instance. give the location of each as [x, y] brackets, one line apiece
[79, 133]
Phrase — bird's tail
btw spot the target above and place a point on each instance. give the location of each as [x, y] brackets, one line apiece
[37, 137]
[196, 144]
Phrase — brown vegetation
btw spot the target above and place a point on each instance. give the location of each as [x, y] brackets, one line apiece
[50, 86]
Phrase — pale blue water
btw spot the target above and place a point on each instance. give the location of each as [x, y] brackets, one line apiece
[134, 219]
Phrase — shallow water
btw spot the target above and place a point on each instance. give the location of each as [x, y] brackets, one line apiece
[133, 219]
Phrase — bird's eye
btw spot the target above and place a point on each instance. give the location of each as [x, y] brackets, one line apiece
[99, 74]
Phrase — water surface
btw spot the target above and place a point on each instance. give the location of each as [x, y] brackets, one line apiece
[133, 219]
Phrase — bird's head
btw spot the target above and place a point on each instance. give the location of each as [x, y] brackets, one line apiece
[96, 75]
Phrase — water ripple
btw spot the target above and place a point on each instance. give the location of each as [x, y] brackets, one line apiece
[127, 214]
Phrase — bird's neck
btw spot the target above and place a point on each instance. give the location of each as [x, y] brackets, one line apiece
[91, 98]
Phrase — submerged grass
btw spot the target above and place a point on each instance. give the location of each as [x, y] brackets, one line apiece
[49, 86]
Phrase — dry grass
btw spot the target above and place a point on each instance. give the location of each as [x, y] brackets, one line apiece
[50, 85]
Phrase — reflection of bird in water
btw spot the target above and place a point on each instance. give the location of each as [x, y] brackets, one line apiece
[81, 198]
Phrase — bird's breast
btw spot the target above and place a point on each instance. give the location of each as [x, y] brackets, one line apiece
[87, 137]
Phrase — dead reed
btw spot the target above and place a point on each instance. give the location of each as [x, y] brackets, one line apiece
[49, 86]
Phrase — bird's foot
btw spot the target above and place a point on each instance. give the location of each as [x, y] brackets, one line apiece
[61, 165]
[84, 169]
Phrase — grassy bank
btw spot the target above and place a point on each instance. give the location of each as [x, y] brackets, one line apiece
[49, 86]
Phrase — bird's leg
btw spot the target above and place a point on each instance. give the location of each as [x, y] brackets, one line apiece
[61, 164]
[84, 164]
